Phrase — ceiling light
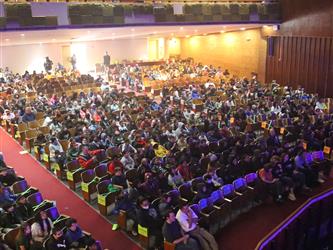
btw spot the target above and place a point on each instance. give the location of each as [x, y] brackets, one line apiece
[132, 29]
[242, 28]
[195, 31]
[222, 31]
[154, 32]
[22, 34]
[187, 36]
[181, 28]
[172, 34]
[205, 34]
[265, 26]
[7, 39]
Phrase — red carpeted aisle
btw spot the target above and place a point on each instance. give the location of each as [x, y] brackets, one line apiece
[67, 202]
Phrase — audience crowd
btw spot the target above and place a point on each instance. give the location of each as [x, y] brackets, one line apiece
[216, 131]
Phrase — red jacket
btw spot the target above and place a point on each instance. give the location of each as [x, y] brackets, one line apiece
[88, 161]
[113, 165]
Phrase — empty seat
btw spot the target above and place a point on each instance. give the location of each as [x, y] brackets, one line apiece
[22, 188]
[186, 191]
[73, 174]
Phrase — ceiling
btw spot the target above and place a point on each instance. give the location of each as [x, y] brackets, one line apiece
[11, 38]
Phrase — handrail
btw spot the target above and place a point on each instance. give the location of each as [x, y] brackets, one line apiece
[284, 224]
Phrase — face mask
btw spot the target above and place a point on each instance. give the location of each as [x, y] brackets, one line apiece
[145, 207]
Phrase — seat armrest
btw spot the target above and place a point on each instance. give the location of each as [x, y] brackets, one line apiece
[251, 188]
[228, 200]
[238, 193]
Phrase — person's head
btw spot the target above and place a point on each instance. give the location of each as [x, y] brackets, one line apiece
[143, 202]
[166, 198]
[91, 244]
[118, 171]
[28, 110]
[183, 206]
[54, 141]
[9, 208]
[85, 149]
[71, 224]
[25, 228]
[21, 199]
[170, 216]
[43, 215]
[57, 232]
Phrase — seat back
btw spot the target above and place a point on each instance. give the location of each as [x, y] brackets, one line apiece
[73, 165]
[64, 144]
[318, 155]
[10, 237]
[215, 196]
[20, 186]
[196, 209]
[31, 134]
[251, 178]
[52, 213]
[35, 199]
[101, 170]
[131, 175]
[203, 203]
[33, 124]
[186, 191]
[174, 195]
[239, 183]
[227, 190]
[309, 158]
[102, 187]
[22, 127]
[88, 175]
[195, 183]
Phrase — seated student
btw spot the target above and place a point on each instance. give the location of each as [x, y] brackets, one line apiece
[173, 233]
[23, 208]
[175, 179]
[7, 176]
[24, 240]
[57, 153]
[188, 221]
[203, 193]
[73, 150]
[74, 236]
[304, 166]
[273, 184]
[6, 195]
[88, 159]
[115, 163]
[57, 240]
[9, 218]
[119, 178]
[148, 217]
[41, 228]
[165, 205]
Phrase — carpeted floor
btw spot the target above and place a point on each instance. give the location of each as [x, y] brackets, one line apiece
[67, 202]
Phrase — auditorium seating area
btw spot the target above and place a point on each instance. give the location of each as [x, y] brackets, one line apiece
[222, 144]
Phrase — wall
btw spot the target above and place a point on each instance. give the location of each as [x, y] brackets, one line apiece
[303, 48]
[305, 61]
[20, 58]
[307, 18]
[240, 52]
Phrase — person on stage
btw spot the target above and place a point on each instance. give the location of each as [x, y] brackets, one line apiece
[73, 62]
[48, 64]
[106, 61]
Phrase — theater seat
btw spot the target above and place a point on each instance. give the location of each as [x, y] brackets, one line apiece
[223, 207]
[38, 203]
[186, 191]
[73, 174]
[10, 237]
[88, 185]
[209, 214]
[101, 171]
[246, 194]
[105, 197]
[22, 188]
[230, 196]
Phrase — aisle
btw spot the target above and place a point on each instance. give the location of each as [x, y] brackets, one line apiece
[67, 202]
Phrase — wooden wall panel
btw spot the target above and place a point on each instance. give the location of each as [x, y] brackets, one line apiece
[305, 61]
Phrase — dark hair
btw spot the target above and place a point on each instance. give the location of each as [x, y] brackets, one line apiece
[141, 199]
[70, 221]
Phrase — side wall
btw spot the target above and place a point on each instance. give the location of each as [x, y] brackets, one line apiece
[240, 52]
[303, 48]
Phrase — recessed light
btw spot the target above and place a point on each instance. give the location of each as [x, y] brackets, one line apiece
[181, 28]
[22, 34]
[7, 39]
[242, 28]
[132, 29]
[195, 31]
[222, 31]
[187, 36]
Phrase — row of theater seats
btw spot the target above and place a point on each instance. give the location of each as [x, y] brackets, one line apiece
[35, 198]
